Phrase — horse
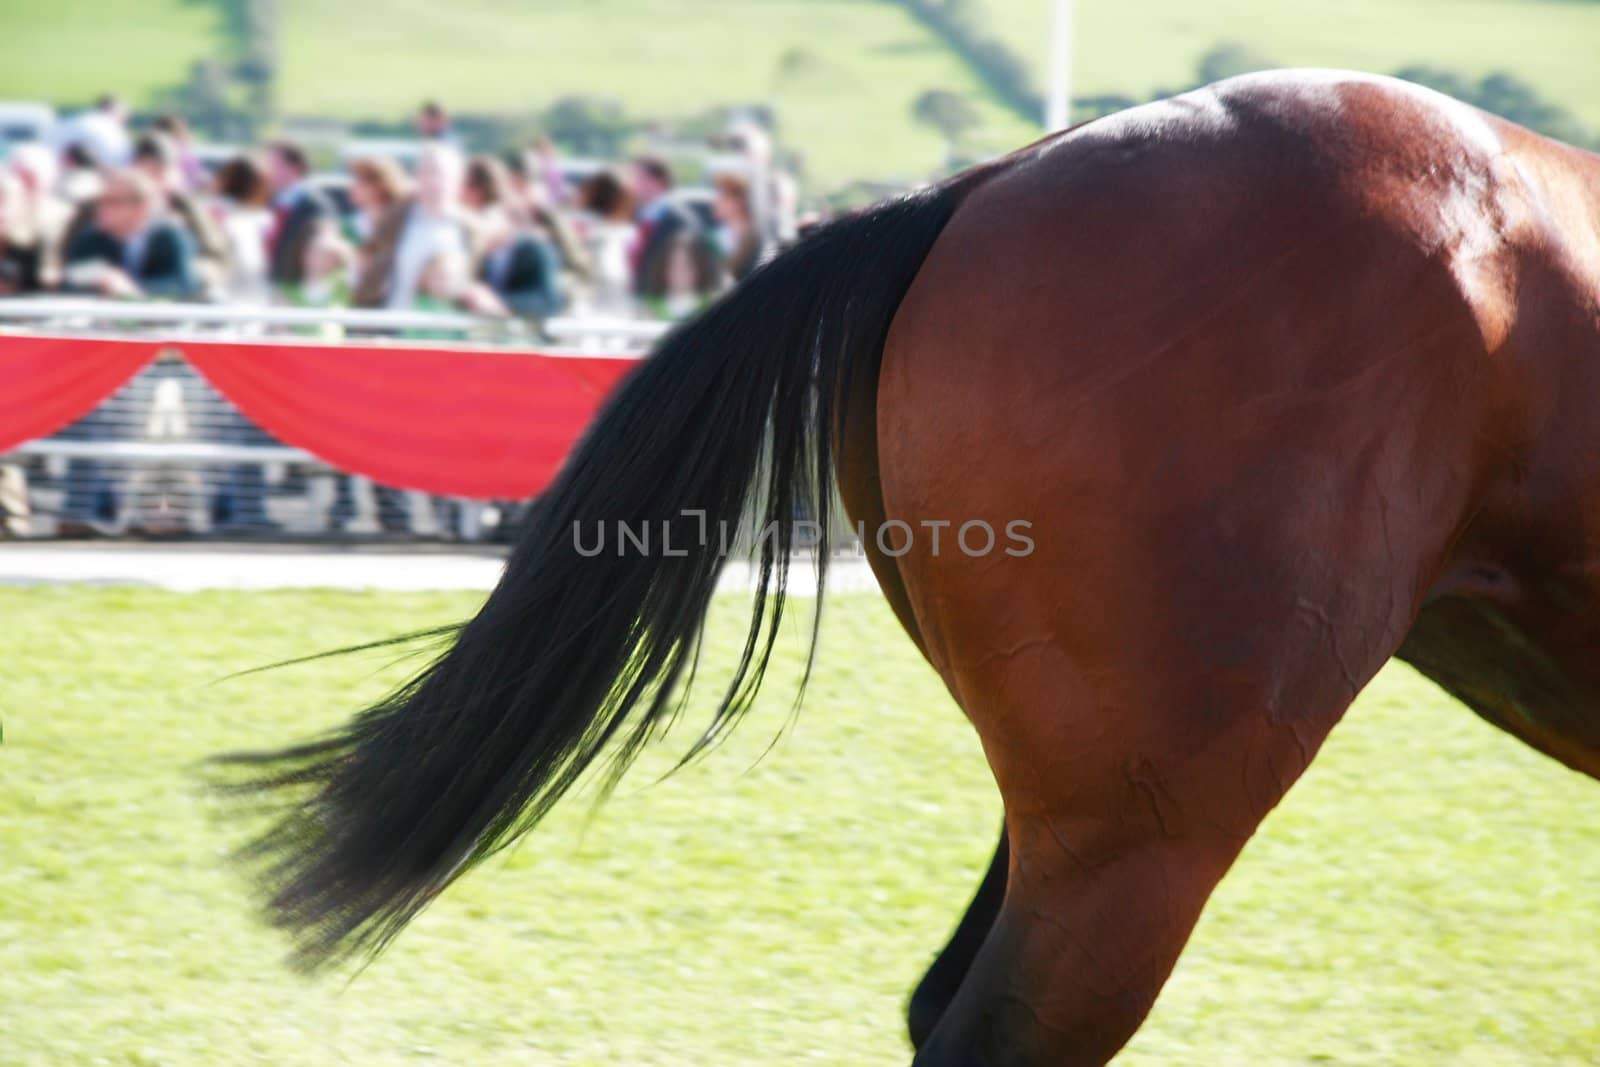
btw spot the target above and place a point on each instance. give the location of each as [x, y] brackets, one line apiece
[1282, 377]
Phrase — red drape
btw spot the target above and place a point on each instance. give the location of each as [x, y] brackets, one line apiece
[455, 421]
[49, 382]
[462, 422]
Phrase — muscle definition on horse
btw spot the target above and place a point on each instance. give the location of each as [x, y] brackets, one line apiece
[1289, 375]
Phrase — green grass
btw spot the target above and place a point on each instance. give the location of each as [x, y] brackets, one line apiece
[1138, 48]
[1424, 897]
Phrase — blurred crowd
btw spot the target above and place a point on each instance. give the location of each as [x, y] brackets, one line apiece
[103, 209]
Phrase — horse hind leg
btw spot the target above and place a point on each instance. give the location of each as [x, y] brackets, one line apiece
[1139, 731]
[1113, 854]
[944, 977]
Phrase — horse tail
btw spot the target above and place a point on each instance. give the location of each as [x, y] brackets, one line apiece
[735, 414]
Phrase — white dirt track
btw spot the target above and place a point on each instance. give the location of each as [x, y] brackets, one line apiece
[188, 567]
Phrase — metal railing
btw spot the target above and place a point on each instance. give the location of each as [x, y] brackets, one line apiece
[79, 314]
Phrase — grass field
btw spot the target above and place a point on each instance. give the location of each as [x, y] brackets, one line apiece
[848, 107]
[1424, 897]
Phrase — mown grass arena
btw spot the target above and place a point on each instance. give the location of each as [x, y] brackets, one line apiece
[1423, 897]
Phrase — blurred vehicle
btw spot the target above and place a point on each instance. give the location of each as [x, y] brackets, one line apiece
[578, 169]
[335, 184]
[403, 151]
[24, 121]
[699, 201]
[212, 155]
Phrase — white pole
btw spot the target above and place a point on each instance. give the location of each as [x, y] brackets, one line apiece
[1058, 106]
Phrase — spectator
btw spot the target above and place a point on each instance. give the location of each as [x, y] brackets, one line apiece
[606, 212]
[771, 191]
[429, 227]
[132, 249]
[156, 156]
[521, 266]
[297, 209]
[14, 507]
[20, 253]
[416, 257]
[662, 221]
[330, 265]
[488, 200]
[81, 179]
[433, 122]
[540, 168]
[177, 131]
[44, 214]
[446, 283]
[100, 134]
[382, 196]
[378, 188]
[545, 207]
[240, 188]
[691, 276]
[384, 200]
[737, 236]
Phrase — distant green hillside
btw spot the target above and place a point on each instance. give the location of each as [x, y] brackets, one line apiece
[66, 51]
[843, 73]
[854, 66]
[1138, 48]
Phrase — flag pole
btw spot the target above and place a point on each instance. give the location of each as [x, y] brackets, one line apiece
[1058, 105]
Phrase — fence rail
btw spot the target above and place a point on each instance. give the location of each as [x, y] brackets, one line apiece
[100, 316]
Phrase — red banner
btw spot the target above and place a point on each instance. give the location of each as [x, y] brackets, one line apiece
[48, 382]
[455, 421]
[463, 422]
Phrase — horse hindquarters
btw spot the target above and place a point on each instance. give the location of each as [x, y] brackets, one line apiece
[1141, 720]
[1237, 480]
[1145, 693]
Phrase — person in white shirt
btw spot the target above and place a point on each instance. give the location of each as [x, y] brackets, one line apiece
[239, 198]
[433, 227]
[102, 132]
[605, 217]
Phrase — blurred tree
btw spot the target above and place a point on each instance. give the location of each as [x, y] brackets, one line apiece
[206, 100]
[1508, 96]
[1230, 59]
[588, 125]
[256, 41]
[796, 64]
[949, 113]
[962, 24]
[1445, 81]
[236, 90]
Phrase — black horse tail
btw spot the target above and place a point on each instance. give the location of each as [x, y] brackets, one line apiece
[734, 414]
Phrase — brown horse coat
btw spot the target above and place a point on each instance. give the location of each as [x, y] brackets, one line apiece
[1289, 375]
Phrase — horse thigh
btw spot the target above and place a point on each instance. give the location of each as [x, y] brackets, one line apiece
[1111, 865]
